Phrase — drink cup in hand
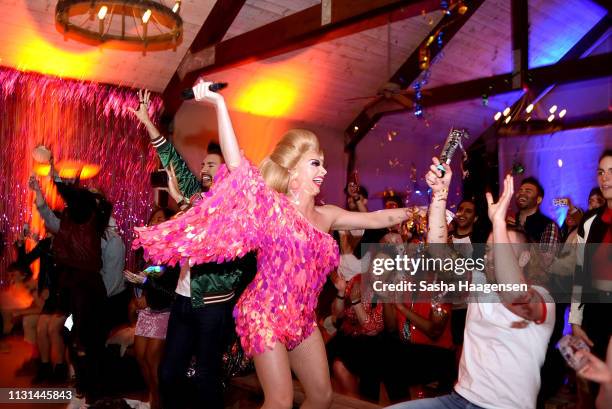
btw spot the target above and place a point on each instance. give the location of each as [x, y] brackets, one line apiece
[568, 346]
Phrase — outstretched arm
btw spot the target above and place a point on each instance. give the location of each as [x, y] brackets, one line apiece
[52, 223]
[227, 138]
[345, 220]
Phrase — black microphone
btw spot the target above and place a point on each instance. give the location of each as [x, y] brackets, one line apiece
[214, 87]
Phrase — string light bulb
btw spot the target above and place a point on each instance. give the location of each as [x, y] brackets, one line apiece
[553, 109]
[497, 116]
[463, 8]
[424, 58]
[176, 7]
[551, 117]
[506, 111]
[529, 108]
[562, 113]
[507, 120]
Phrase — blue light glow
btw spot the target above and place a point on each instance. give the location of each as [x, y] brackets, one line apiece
[540, 155]
[548, 42]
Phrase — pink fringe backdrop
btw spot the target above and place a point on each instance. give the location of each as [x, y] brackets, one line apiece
[80, 121]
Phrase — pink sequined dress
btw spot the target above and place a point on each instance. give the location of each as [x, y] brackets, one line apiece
[240, 214]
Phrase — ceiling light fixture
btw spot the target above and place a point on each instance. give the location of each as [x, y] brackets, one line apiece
[134, 25]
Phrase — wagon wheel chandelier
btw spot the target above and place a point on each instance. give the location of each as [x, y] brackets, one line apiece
[133, 25]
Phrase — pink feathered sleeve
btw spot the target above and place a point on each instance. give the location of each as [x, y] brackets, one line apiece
[227, 222]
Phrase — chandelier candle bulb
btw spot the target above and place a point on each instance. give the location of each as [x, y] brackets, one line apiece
[507, 120]
[506, 111]
[176, 7]
[102, 12]
[529, 108]
[562, 113]
[146, 16]
[497, 116]
[553, 109]
[551, 118]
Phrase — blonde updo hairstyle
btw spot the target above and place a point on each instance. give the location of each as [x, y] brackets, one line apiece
[275, 168]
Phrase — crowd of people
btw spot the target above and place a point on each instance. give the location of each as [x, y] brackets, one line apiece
[247, 255]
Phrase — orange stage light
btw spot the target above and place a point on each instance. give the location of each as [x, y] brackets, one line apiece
[40, 56]
[68, 169]
[267, 97]
[34, 48]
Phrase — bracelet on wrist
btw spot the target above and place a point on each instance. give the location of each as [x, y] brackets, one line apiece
[355, 302]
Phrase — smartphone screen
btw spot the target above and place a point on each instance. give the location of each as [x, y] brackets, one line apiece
[69, 323]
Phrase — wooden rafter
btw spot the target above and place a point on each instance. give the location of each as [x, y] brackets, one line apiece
[535, 92]
[212, 31]
[483, 152]
[560, 73]
[405, 75]
[520, 41]
[323, 22]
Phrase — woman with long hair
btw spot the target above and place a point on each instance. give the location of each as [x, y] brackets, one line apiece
[270, 209]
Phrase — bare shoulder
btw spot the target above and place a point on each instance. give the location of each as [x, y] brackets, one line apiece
[328, 213]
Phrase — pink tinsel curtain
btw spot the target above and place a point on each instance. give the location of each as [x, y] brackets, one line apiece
[79, 121]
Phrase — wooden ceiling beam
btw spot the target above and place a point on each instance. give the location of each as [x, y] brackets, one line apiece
[323, 22]
[535, 92]
[408, 72]
[560, 73]
[520, 42]
[213, 30]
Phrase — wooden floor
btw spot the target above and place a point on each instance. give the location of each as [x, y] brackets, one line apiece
[251, 384]
[242, 393]
[13, 352]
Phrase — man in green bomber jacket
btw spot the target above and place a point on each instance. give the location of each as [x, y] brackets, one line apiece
[201, 319]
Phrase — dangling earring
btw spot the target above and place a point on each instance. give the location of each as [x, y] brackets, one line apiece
[293, 188]
[294, 197]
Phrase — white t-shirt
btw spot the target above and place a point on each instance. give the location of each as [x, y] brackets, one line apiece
[183, 286]
[465, 245]
[500, 365]
[350, 266]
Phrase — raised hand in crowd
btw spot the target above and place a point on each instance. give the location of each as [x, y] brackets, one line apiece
[497, 211]
[142, 113]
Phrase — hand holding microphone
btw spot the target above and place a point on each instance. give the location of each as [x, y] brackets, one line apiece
[204, 91]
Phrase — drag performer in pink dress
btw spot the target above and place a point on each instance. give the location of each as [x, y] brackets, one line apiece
[269, 209]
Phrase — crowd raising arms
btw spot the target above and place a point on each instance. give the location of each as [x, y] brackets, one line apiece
[508, 251]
